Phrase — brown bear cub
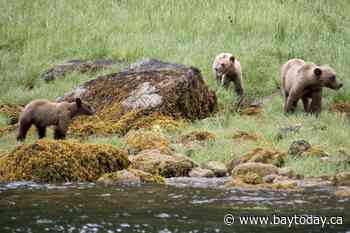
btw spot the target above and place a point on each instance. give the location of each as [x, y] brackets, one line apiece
[227, 69]
[305, 81]
[43, 113]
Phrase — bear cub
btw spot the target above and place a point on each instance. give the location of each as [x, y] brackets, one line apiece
[227, 69]
[301, 80]
[44, 113]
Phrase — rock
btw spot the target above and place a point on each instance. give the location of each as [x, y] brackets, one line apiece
[217, 167]
[11, 111]
[61, 161]
[134, 98]
[197, 136]
[253, 181]
[260, 155]
[243, 135]
[166, 165]
[129, 176]
[287, 172]
[284, 184]
[252, 178]
[298, 147]
[261, 169]
[251, 111]
[343, 107]
[286, 131]
[342, 179]
[200, 172]
[269, 178]
[343, 192]
[144, 140]
[82, 66]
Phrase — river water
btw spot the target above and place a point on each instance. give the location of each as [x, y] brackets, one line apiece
[177, 207]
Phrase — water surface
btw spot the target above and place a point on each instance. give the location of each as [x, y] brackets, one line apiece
[86, 207]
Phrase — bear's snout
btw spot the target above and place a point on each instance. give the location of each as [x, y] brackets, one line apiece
[340, 85]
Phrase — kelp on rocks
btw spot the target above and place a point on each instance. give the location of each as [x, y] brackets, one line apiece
[61, 161]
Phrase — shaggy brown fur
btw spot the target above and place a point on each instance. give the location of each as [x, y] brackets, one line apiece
[305, 81]
[227, 69]
[43, 113]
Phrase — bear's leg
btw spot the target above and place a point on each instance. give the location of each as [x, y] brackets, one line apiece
[306, 104]
[218, 79]
[41, 131]
[316, 102]
[240, 92]
[291, 103]
[225, 81]
[59, 133]
[61, 129]
[24, 126]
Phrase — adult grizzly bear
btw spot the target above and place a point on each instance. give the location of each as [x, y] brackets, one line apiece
[43, 113]
[227, 69]
[305, 81]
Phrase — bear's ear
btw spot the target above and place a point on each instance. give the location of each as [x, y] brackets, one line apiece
[78, 102]
[232, 59]
[317, 72]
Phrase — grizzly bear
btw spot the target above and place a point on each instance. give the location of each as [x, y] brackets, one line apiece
[227, 69]
[43, 113]
[301, 80]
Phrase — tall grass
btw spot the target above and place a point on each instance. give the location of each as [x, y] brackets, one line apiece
[262, 34]
[35, 35]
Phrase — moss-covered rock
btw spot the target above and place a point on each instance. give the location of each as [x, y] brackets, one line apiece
[260, 169]
[60, 161]
[11, 111]
[245, 136]
[298, 147]
[217, 167]
[146, 93]
[144, 140]
[251, 111]
[342, 179]
[342, 192]
[197, 136]
[201, 172]
[166, 165]
[130, 176]
[260, 155]
[254, 181]
[343, 107]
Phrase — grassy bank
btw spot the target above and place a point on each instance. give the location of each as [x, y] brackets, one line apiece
[262, 34]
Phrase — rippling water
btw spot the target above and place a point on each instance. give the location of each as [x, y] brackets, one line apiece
[86, 207]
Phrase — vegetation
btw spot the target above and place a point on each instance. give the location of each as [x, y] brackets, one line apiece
[262, 34]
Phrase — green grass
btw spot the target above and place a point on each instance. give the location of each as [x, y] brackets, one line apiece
[262, 34]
